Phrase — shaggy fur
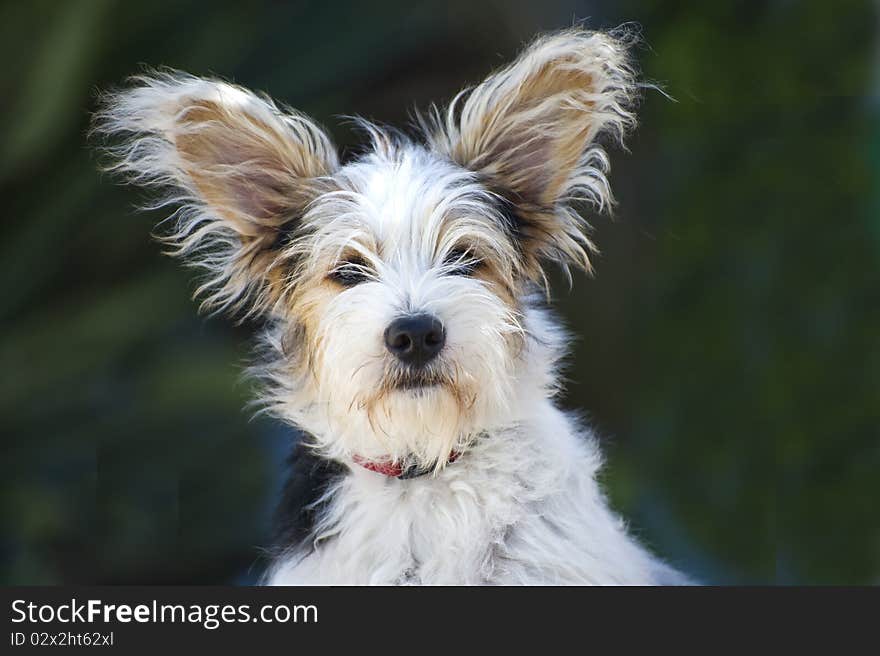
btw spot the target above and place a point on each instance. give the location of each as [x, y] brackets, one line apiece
[455, 223]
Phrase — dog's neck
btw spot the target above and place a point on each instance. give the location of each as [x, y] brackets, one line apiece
[521, 506]
[401, 470]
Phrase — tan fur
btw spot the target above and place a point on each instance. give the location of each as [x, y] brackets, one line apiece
[244, 170]
[530, 130]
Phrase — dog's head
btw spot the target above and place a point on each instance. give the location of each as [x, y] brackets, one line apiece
[395, 286]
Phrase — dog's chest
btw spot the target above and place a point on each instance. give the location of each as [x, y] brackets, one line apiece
[444, 530]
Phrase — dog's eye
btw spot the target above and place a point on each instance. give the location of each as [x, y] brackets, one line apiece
[350, 273]
[461, 262]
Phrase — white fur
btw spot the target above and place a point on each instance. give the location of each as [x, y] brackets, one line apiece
[267, 210]
[401, 204]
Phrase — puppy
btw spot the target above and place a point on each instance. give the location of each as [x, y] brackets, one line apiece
[405, 334]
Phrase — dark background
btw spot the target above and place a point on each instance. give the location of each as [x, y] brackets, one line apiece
[727, 348]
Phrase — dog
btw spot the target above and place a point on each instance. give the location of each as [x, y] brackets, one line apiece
[407, 335]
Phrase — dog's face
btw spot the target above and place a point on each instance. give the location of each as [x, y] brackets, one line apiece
[396, 285]
[405, 286]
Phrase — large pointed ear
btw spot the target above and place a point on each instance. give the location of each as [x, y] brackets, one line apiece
[530, 130]
[240, 171]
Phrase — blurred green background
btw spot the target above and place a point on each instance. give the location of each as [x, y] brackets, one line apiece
[728, 348]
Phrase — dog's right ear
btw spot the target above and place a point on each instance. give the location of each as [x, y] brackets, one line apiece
[241, 170]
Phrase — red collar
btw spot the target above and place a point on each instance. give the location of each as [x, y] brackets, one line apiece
[397, 470]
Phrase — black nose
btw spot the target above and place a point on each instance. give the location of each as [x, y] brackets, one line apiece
[415, 340]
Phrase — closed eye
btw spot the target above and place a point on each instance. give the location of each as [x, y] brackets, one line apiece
[461, 262]
[351, 272]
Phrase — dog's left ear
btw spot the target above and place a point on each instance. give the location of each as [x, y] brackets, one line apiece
[530, 130]
[240, 170]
